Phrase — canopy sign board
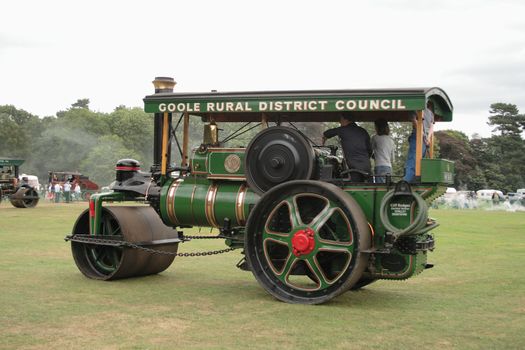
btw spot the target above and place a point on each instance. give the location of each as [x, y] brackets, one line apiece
[400, 100]
[9, 162]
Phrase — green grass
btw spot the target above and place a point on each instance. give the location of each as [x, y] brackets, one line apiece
[474, 298]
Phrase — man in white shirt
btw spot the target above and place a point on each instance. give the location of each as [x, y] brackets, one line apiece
[67, 192]
[78, 192]
[58, 191]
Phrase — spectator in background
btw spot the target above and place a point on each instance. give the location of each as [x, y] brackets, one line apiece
[67, 191]
[78, 191]
[383, 147]
[50, 191]
[58, 191]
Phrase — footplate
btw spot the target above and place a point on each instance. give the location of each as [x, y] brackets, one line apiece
[413, 245]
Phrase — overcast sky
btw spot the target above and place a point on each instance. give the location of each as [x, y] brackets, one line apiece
[55, 52]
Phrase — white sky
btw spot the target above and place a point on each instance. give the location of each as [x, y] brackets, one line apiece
[55, 52]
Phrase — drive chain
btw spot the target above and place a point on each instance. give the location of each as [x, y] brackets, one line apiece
[162, 252]
[155, 251]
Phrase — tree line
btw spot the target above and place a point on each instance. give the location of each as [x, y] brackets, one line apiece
[496, 162]
[90, 142]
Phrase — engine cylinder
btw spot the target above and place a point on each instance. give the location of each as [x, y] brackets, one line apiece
[204, 203]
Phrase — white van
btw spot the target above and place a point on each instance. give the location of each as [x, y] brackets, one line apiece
[521, 192]
[487, 194]
[32, 181]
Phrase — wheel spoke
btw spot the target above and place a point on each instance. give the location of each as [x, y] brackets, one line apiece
[317, 272]
[100, 254]
[322, 217]
[107, 226]
[294, 213]
[287, 267]
[281, 238]
[336, 246]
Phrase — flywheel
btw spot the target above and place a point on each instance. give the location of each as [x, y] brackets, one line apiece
[276, 155]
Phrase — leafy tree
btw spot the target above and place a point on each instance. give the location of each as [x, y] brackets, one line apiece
[61, 148]
[454, 145]
[135, 129]
[99, 163]
[506, 119]
[81, 103]
[502, 161]
[18, 129]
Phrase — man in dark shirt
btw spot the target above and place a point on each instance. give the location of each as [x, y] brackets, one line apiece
[356, 146]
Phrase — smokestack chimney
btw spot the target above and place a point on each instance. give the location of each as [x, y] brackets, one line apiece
[164, 84]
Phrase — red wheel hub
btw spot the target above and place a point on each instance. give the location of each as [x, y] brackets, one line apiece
[303, 242]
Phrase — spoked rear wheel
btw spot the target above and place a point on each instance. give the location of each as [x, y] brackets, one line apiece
[305, 241]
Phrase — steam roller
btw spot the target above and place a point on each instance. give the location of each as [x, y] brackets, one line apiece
[305, 229]
[25, 197]
[112, 260]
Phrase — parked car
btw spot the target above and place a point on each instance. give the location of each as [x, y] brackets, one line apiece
[514, 197]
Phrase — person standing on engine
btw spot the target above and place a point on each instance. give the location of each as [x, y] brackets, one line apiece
[383, 147]
[428, 127]
[356, 146]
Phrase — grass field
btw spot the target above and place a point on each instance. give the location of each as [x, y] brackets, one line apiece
[474, 298]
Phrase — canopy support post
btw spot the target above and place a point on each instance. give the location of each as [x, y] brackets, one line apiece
[431, 146]
[165, 133]
[419, 142]
[264, 121]
[185, 139]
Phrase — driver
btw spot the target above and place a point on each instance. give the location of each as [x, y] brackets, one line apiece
[356, 145]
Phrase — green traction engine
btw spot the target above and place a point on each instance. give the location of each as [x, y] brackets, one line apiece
[306, 231]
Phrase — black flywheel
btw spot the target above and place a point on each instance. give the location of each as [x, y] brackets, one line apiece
[276, 155]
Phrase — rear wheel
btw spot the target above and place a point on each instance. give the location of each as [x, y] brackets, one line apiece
[363, 282]
[305, 242]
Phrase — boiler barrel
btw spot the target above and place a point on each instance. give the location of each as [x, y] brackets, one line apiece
[203, 203]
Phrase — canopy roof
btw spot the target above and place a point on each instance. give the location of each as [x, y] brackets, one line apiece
[10, 161]
[314, 106]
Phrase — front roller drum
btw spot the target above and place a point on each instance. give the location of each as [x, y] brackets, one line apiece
[24, 198]
[134, 224]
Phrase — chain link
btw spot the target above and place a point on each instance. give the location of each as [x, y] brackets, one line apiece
[186, 237]
[111, 242]
[162, 252]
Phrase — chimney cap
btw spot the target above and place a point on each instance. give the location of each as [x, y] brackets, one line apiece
[164, 84]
